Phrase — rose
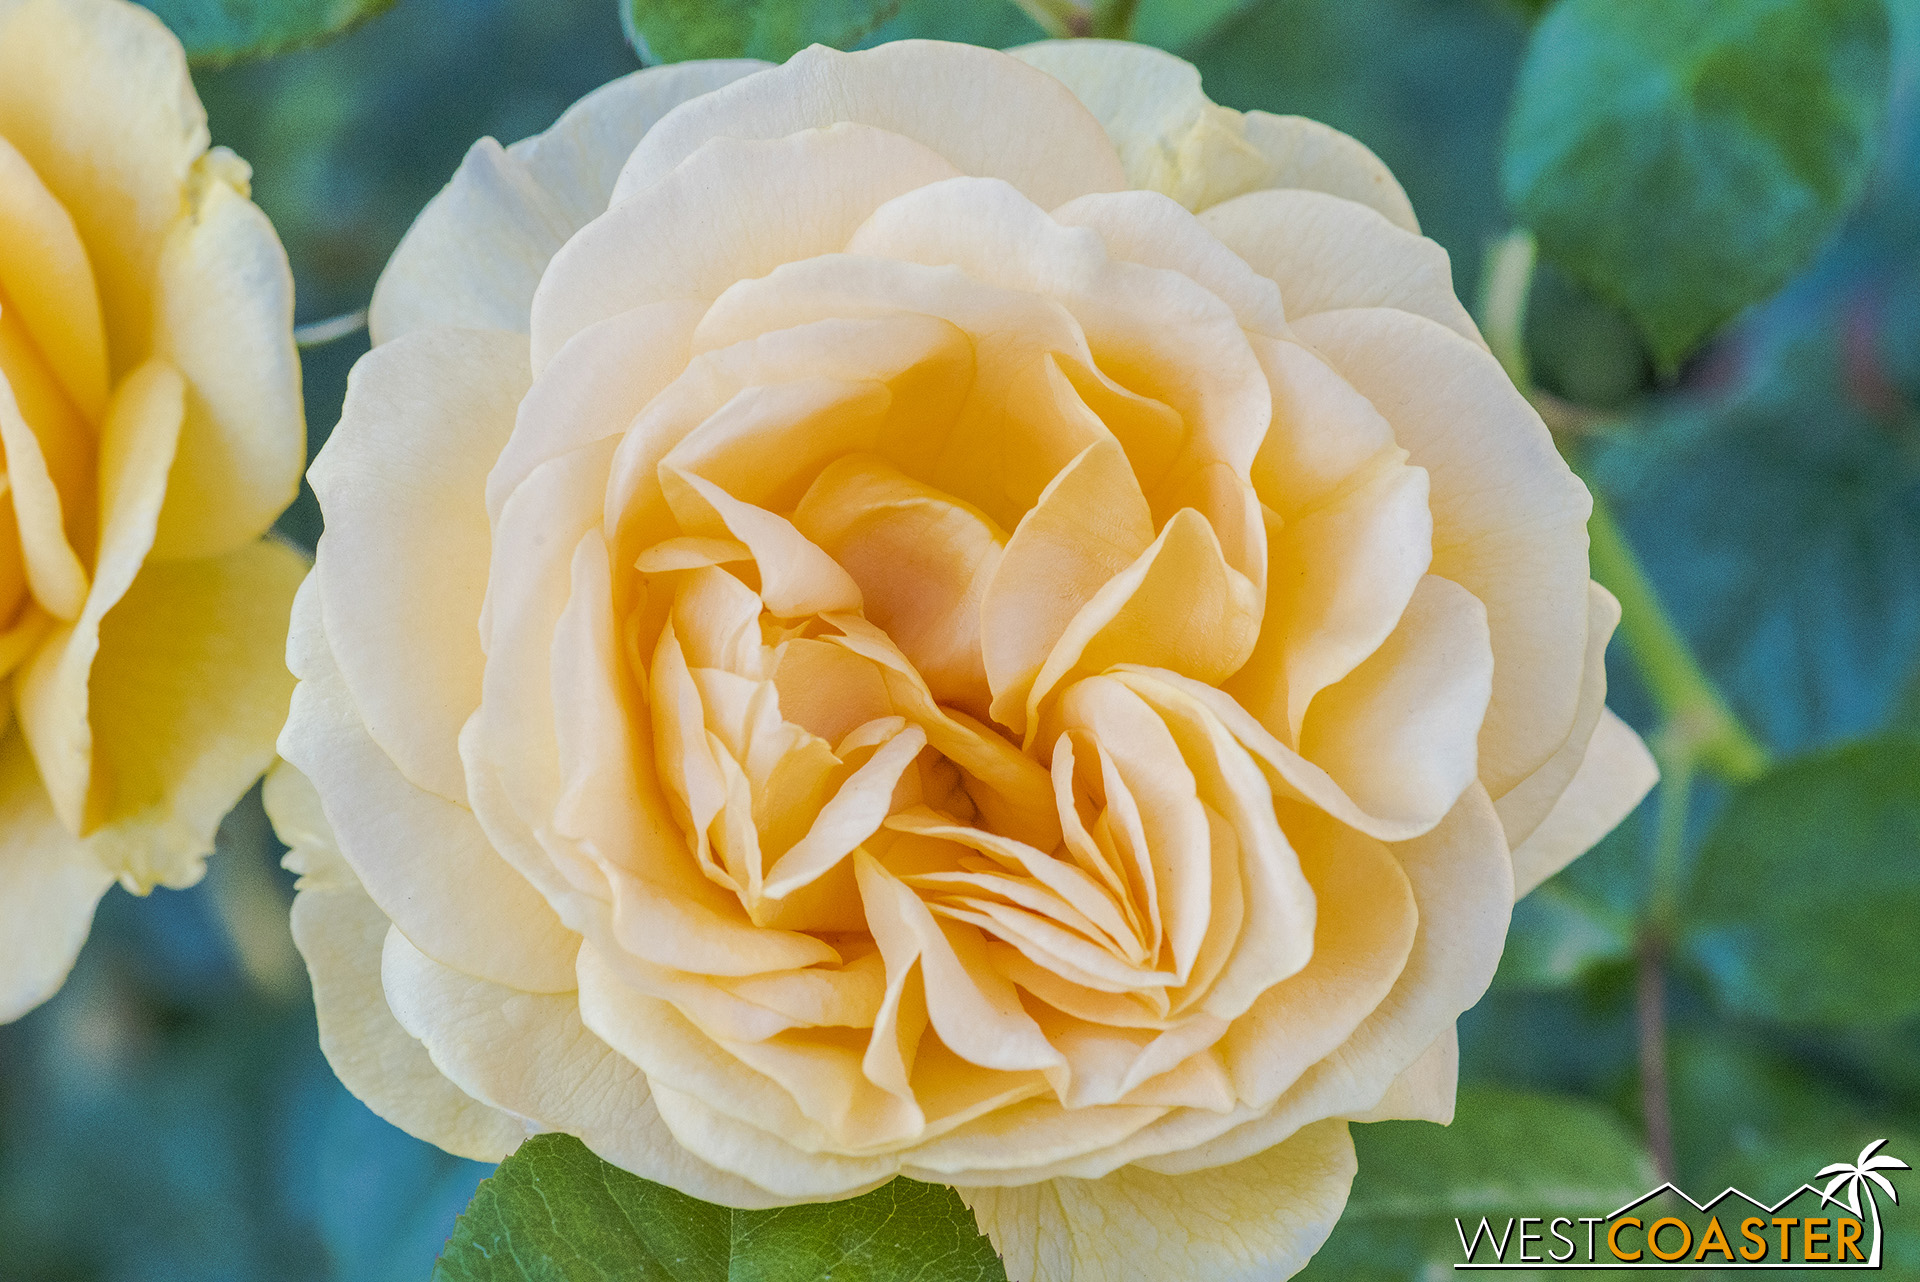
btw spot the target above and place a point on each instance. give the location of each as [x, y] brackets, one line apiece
[856, 635]
[150, 417]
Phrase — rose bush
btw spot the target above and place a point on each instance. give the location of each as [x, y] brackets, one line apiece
[857, 635]
[151, 422]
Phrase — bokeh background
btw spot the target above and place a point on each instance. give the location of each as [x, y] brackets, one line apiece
[169, 1116]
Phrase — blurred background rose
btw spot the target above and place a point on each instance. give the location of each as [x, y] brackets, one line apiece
[169, 1116]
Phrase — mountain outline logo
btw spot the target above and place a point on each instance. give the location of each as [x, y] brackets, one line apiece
[1850, 1241]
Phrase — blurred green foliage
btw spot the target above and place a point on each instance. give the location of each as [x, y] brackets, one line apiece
[169, 1116]
[1684, 159]
[675, 30]
[222, 31]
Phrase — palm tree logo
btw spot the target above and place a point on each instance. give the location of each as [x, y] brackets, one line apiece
[1855, 1176]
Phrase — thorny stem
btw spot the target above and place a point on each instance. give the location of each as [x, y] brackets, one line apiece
[1697, 730]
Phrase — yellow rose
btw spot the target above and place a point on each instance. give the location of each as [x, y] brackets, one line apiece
[151, 423]
[858, 634]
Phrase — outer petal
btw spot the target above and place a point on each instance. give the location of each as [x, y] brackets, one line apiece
[96, 96]
[1037, 136]
[1306, 153]
[1510, 518]
[189, 689]
[403, 564]
[1258, 1220]
[735, 210]
[1526, 804]
[1173, 140]
[136, 451]
[1462, 880]
[528, 1054]
[475, 254]
[1327, 253]
[49, 883]
[46, 275]
[1616, 773]
[340, 932]
[1426, 1089]
[420, 857]
[223, 315]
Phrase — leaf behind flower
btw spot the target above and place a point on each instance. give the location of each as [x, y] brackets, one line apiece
[554, 1212]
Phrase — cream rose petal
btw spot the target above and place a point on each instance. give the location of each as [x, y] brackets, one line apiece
[1327, 253]
[1398, 733]
[1037, 137]
[1510, 518]
[339, 932]
[1307, 154]
[1257, 1219]
[137, 450]
[1174, 140]
[188, 690]
[1615, 774]
[47, 277]
[561, 1078]
[96, 95]
[732, 210]
[223, 315]
[1523, 806]
[53, 568]
[506, 932]
[1463, 882]
[49, 883]
[474, 256]
[403, 564]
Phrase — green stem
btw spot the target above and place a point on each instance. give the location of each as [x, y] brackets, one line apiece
[1696, 718]
[1505, 282]
[1113, 19]
[1060, 19]
[1065, 19]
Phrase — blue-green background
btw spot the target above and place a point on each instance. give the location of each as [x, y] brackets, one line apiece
[169, 1116]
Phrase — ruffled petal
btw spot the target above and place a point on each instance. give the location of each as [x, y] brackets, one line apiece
[47, 277]
[418, 856]
[223, 315]
[1256, 1220]
[137, 451]
[528, 1054]
[340, 933]
[1510, 518]
[1037, 137]
[1172, 139]
[95, 94]
[188, 691]
[474, 256]
[733, 210]
[1615, 774]
[1327, 253]
[403, 565]
[49, 883]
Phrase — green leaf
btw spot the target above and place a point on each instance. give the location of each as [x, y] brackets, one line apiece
[1807, 889]
[217, 32]
[1683, 160]
[1746, 1115]
[1508, 1153]
[675, 30]
[1557, 935]
[1177, 24]
[554, 1212]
